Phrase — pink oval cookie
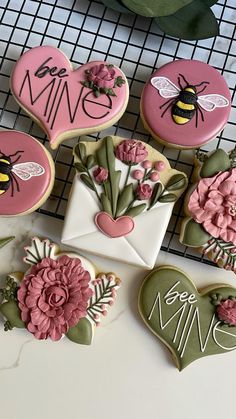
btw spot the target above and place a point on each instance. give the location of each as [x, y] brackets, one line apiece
[66, 102]
[185, 104]
[26, 173]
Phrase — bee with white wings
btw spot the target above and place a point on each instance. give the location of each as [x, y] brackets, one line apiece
[185, 101]
[10, 171]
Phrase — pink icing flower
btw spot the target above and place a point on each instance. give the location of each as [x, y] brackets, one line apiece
[226, 311]
[144, 191]
[154, 176]
[159, 166]
[54, 296]
[147, 164]
[131, 152]
[137, 174]
[102, 76]
[213, 204]
[100, 174]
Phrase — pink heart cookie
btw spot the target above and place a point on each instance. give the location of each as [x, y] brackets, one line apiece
[114, 228]
[67, 103]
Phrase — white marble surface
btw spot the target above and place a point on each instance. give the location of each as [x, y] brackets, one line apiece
[126, 373]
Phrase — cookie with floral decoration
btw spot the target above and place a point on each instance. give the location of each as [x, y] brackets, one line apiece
[121, 200]
[61, 294]
[210, 207]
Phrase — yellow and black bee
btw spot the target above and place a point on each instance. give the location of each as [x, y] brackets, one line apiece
[9, 171]
[185, 101]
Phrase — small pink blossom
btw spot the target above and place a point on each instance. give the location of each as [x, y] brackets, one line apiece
[226, 312]
[144, 191]
[54, 296]
[159, 166]
[137, 174]
[100, 174]
[154, 176]
[102, 76]
[131, 152]
[147, 164]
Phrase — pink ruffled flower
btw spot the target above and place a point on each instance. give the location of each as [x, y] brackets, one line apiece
[213, 204]
[131, 152]
[100, 174]
[226, 311]
[54, 296]
[144, 191]
[102, 76]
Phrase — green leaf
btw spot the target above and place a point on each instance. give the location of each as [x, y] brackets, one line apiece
[80, 152]
[116, 5]
[157, 190]
[153, 8]
[80, 167]
[115, 181]
[193, 234]
[88, 182]
[82, 333]
[85, 83]
[194, 21]
[125, 199]
[90, 161]
[6, 240]
[106, 203]
[171, 197]
[218, 161]
[176, 182]
[11, 312]
[133, 212]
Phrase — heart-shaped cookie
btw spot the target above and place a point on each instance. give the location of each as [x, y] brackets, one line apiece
[191, 324]
[66, 102]
[114, 228]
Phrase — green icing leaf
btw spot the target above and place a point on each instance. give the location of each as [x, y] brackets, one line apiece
[192, 22]
[133, 212]
[88, 182]
[154, 8]
[106, 203]
[218, 161]
[116, 5]
[82, 333]
[11, 312]
[125, 199]
[157, 190]
[171, 197]
[90, 161]
[80, 167]
[6, 240]
[80, 151]
[194, 235]
[176, 182]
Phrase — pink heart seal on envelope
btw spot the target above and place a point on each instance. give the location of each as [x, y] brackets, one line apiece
[114, 228]
[66, 102]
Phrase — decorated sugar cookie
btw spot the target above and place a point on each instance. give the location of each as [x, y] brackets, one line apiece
[185, 104]
[60, 294]
[26, 173]
[191, 323]
[68, 102]
[210, 207]
[121, 200]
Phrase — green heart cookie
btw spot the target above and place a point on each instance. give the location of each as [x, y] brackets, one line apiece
[189, 323]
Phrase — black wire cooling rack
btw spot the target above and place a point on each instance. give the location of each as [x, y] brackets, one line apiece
[87, 30]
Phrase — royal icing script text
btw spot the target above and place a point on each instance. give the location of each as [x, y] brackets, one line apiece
[57, 98]
[187, 314]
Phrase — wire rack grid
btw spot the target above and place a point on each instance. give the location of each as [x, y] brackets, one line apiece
[87, 30]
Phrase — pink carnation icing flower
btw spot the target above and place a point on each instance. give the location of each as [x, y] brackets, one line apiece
[100, 174]
[144, 191]
[131, 152]
[54, 296]
[226, 312]
[213, 204]
[102, 76]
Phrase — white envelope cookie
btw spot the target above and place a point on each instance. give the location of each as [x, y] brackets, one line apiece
[121, 200]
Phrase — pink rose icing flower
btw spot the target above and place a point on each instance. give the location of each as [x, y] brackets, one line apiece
[226, 311]
[102, 76]
[213, 204]
[131, 152]
[100, 174]
[144, 191]
[54, 296]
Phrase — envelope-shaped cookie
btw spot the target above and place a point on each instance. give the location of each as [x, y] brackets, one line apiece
[121, 200]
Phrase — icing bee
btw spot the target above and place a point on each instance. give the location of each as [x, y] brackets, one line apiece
[10, 171]
[184, 101]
